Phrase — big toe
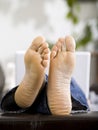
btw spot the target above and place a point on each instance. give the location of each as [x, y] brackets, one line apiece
[37, 42]
[70, 43]
[39, 39]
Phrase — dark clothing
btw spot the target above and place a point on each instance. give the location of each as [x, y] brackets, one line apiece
[40, 105]
[2, 81]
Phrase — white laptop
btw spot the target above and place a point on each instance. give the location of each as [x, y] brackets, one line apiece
[81, 73]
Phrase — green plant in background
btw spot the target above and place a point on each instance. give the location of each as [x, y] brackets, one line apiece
[86, 38]
[86, 34]
[73, 6]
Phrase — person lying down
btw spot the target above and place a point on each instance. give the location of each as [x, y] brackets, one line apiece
[57, 93]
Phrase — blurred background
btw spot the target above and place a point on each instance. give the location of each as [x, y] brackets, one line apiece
[23, 20]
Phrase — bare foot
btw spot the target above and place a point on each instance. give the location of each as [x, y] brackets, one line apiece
[36, 60]
[62, 62]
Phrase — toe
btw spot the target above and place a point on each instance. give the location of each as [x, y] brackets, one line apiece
[70, 43]
[59, 44]
[46, 57]
[54, 52]
[62, 43]
[37, 42]
[46, 51]
[45, 63]
[39, 39]
[56, 48]
[42, 47]
[62, 40]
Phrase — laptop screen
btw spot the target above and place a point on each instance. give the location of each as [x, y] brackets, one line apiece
[81, 73]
